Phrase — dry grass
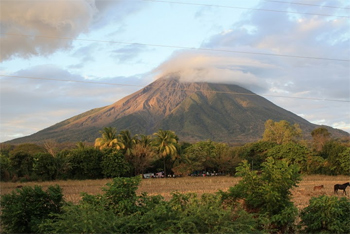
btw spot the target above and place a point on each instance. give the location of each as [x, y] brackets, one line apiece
[73, 188]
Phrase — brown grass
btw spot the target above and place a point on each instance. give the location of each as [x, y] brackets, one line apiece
[73, 188]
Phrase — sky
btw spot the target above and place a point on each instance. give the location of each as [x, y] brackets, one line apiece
[60, 58]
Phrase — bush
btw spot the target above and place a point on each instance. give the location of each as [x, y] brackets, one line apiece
[121, 195]
[84, 163]
[82, 218]
[25, 209]
[326, 215]
[267, 194]
[120, 210]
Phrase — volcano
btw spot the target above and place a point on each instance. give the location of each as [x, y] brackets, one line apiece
[194, 111]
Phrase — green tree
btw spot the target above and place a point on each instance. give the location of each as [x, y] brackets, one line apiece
[294, 153]
[45, 166]
[281, 132]
[22, 164]
[85, 164]
[268, 194]
[332, 152]
[343, 161]
[255, 153]
[166, 144]
[81, 145]
[108, 139]
[5, 167]
[23, 210]
[114, 164]
[127, 141]
[326, 214]
[144, 140]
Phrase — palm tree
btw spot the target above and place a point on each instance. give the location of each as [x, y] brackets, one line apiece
[144, 140]
[80, 145]
[108, 139]
[128, 141]
[166, 144]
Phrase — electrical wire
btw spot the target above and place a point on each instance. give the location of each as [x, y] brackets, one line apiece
[307, 4]
[246, 8]
[184, 47]
[192, 90]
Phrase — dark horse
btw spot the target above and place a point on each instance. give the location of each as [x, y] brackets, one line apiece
[341, 187]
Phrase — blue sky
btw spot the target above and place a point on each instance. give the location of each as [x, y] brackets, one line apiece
[124, 45]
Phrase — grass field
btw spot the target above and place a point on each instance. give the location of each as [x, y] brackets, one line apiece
[301, 195]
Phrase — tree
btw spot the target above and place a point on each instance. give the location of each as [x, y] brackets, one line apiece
[326, 214]
[85, 164]
[142, 157]
[128, 141]
[281, 132]
[51, 147]
[45, 166]
[23, 210]
[268, 194]
[28, 148]
[165, 143]
[320, 136]
[114, 164]
[22, 164]
[293, 152]
[108, 139]
[81, 145]
[255, 153]
[207, 155]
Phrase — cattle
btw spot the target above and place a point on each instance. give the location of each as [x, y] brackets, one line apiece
[318, 187]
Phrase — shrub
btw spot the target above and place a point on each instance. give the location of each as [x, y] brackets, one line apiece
[121, 195]
[25, 209]
[84, 163]
[82, 218]
[267, 194]
[326, 215]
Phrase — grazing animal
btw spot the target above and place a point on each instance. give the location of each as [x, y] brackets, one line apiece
[318, 187]
[341, 187]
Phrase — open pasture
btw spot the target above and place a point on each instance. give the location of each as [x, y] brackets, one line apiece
[199, 185]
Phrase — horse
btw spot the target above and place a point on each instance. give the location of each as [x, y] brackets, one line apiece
[318, 187]
[341, 187]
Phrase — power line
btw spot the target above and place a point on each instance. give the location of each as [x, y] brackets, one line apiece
[193, 90]
[246, 8]
[307, 4]
[77, 81]
[184, 47]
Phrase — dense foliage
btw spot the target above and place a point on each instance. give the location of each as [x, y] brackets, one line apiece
[326, 215]
[268, 193]
[260, 203]
[125, 154]
[25, 209]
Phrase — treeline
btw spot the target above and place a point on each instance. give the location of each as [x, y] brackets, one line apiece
[123, 154]
[259, 203]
